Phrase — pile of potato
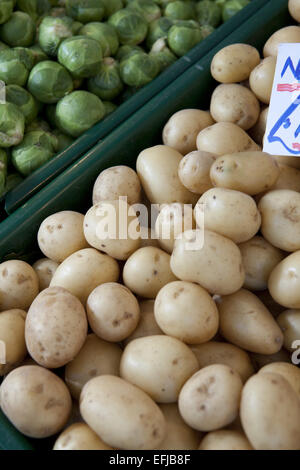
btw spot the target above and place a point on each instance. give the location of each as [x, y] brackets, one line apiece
[166, 344]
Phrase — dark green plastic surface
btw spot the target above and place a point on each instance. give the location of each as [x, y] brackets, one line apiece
[73, 188]
[54, 167]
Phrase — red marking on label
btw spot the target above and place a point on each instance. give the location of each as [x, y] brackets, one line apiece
[288, 87]
[296, 146]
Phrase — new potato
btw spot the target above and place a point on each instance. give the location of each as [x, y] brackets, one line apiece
[179, 435]
[294, 9]
[115, 182]
[225, 439]
[258, 131]
[289, 322]
[290, 372]
[193, 171]
[288, 34]
[234, 63]
[79, 436]
[12, 337]
[172, 220]
[45, 269]
[19, 285]
[261, 79]
[284, 281]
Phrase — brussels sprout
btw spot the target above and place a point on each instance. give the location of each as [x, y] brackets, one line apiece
[57, 12]
[109, 107]
[52, 32]
[3, 171]
[38, 53]
[49, 82]
[37, 148]
[76, 27]
[231, 7]
[85, 11]
[180, 10]
[26, 55]
[19, 30]
[38, 125]
[206, 30]
[131, 26]
[81, 55]
[139, 69]
[13, 70]
[208, 13]
[107, 84]
[63, 140]
[6, 9]
[162, 54]
[183, 36]
[105, 34]
[12, 181]
[148, 9]
[77, 112]
[111, 6]
[34, 8]
[12, 123]
[24, 100]
[3, 46]
[125, 51]
[158, 29]
[220, 2]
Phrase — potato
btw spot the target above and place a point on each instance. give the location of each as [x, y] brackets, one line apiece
[193, 171]
[234, 103]
[225, 138]
[45, 269]
[187, 312]
[257, 132]
[261, 360]
[225, 439]
[248, 172]
[230, 213]
[79, 436]
[19, 285]
[289, 178]
[284, 281]
[288, 34]
[157, 168]
[216, 266]
[293, 162]
[294, 9]
[234, 63]
[259, 259]
[96, 357]
[12, 339]
[247, 323]
[121, 414]
[147, 325]
[113, 312]
[210, 399]
[36, 401]
[115, 182]
[261, 79]
[86, 269]
[55, 327]
[289, 372]
[181, 130]
[280, 212]
[113, 227]
[179, 435]
[215, 352]
[270, 413]
[289, 322]
[159, 365]
[172, 220]
[61, 234]
[147, 270]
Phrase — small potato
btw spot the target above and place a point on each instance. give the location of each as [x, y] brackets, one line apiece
[215, 264]
[248, 172]
[45, 269]
[36, 401]
[215, 352]
[289, 372]
[159, 365]
[289, 322]
[234, 103]
[289, 178]
[113, 312]
[261, 360]
[193, 171]
[270, 413]
[115, 182]
[293, 162]
[257, 132]
[234, 63]
[61, 234]
[288, 34]
[113, 227]
[294, 9]
[172, 220]
[55, 328]
[19, 285]
[146, 271]
[230, 213]
[182, 129]
[96, 357]
[121, 414]
[225, 439]
[187, 312]
[86, 269]
[247, 323]
[79, 436]
[179, 435]
[210, 399]
[225, 138]
[280, 212]
[147, 325]
[261, 79]
[259, 259]
[157, 168]
[12, 339]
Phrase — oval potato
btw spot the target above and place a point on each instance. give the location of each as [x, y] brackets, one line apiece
[12, 339]
[225, 439]
[19, 285]
[289, 322]
[288, 34]
[258, 131]
[234, 63]
[294, 9]
[79, 436]
[284, 281]
[261, 79]
[45, 269]
[290, 372]
[117, 182]
[193, 171]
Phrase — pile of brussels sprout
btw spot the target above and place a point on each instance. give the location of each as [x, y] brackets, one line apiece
[67, 64]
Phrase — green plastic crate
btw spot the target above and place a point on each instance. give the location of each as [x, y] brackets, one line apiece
[73, 188]
[54, 167]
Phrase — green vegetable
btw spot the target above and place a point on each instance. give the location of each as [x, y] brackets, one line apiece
[3, 171]
[148, 9]
[24, 100]
[63, 140]
[3, 46]
[6, 9]
[19, 30]
[231, 7]
[12, 123]
[52, 32]
[131, 26]
[78, 111]
[34, 8]
[49, 82]
[57, 12]
[158, 29]
[184, 36]
[208, 13]
[125, 51]
[105, 34]
[85, 11]
[139, 69]
[38, 54]
[107, 84]
[111, 6]
[206, 30]
[14, 67]
[162, 54]
[180, 10]
[38, 125]
[109, 107]
[81, 55]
